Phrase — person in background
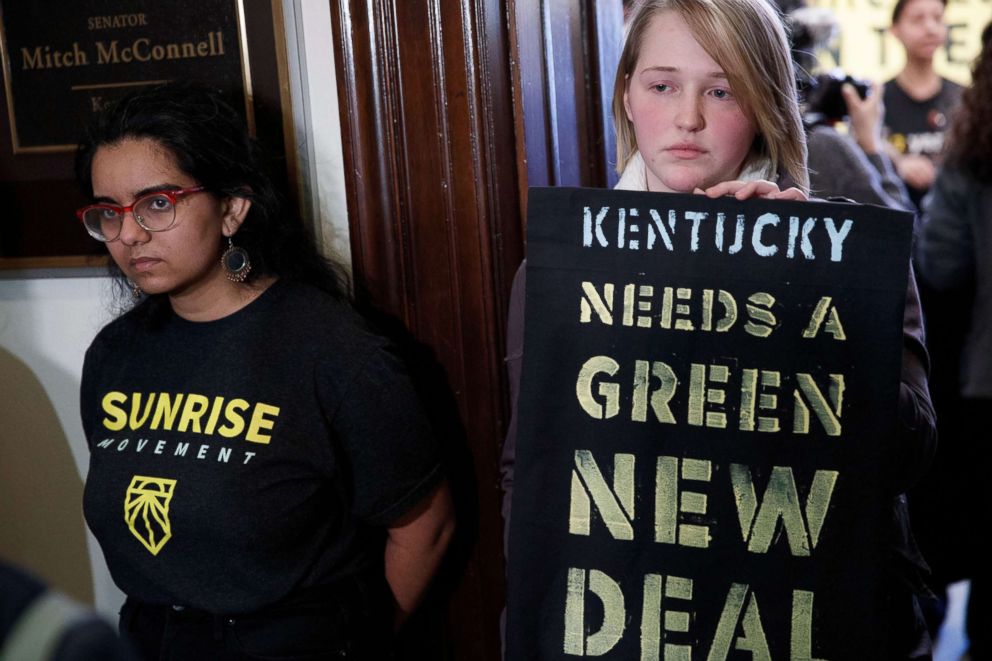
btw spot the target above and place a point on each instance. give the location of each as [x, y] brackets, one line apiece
[954, 258]
[919, 110]
[919, 103]
[38, 624]
[262, 480]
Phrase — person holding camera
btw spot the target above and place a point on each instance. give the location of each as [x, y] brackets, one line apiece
[852, 165]
[855, 165]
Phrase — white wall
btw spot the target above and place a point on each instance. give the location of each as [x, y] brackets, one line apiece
[318, 132]
[47, 322]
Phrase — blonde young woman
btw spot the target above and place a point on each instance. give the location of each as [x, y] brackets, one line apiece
[704, 102]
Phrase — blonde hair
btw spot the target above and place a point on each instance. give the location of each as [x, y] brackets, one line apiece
[758, 64]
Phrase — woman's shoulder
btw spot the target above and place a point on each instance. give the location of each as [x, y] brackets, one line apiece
[330, 325]
[127, 323]
[307, 307]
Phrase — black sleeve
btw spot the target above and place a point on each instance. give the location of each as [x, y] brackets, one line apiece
[946, 249]
[839, 168]
[889, 178]
[917, 437]
[89, 408]
[385, 438]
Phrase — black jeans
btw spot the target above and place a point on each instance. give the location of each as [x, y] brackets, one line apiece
[298, 631]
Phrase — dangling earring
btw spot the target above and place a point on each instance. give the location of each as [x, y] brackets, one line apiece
[135, 289]
[235, 261]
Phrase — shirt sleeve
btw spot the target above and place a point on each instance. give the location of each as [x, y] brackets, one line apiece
[88, 406]
[917, 436]
[946, 246]
[385, 438]
[839, 168]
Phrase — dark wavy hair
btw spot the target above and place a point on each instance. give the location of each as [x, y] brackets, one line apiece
[900, 6]
[211, 144]
[971, 131]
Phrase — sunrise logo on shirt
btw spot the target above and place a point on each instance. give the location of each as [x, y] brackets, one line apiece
[146, 510]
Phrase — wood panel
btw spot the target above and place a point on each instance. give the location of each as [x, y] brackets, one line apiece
[427, 122]
[566, 52]
[450, 109]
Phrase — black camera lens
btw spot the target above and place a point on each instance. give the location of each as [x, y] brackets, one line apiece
[824, 97]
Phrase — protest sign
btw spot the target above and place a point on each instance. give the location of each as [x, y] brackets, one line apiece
[708, 398]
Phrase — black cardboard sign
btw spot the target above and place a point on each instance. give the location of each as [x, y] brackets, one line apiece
[707, 390]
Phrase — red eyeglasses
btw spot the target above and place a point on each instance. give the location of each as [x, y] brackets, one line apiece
[154, 212]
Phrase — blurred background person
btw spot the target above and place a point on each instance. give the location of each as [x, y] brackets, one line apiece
[920, 107]
[918, 101]
[954, 257]
[38, 624]
[855, 165]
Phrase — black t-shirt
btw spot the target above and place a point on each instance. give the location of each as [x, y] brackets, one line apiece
[237, 462]
[917, 127]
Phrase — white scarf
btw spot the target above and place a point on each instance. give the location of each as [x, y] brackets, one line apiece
[635, 175]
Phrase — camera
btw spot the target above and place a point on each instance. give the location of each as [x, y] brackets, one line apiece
[823, 97]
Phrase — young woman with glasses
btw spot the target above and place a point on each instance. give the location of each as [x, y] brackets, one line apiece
[262, 480]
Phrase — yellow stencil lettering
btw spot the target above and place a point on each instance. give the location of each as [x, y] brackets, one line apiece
[628, 305]
[576, 642]
[609, 391]
[753, 640]
[666, 308]
[749, 387]
[675, 621]
[591, 302]
[651, 618]
[615, 506]
[801, 641]
[645, 292]
[768, 401]
[762, 321]
[660, 398]
[829, 416]
[693, 502]
[700, 395]
[683, 294]
[833, 326]
[706, 323]
[729, 311]
[670, 500]
[760, 521]
[666, 495]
